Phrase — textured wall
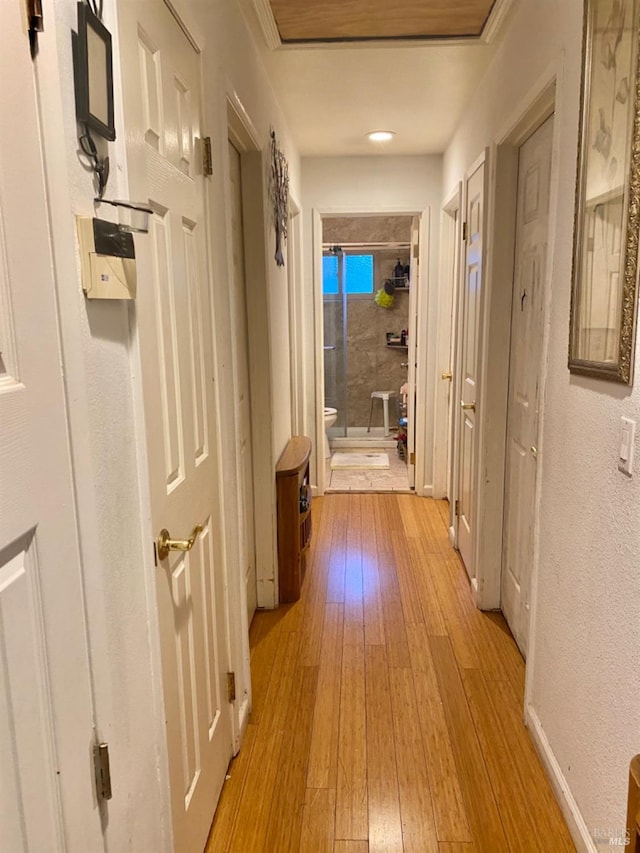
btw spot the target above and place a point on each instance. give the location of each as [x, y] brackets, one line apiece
[371, 364]
[585, 652]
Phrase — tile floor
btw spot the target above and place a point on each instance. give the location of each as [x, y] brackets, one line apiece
[391, 479]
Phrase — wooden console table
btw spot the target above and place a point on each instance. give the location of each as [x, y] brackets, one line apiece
[294, 516]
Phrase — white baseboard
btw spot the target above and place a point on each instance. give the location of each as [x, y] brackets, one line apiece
[568, 806]
[243, 721]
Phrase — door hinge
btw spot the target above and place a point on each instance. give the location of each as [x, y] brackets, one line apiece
[456, 508]
[231, 686]
[464, 231]
[102, 770]
[207, 157]
[412, 458]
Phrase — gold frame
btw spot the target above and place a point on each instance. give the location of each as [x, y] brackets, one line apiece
[623, 191]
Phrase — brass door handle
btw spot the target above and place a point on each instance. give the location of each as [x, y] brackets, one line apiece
[166, 543]
[470, 406]
[448, 376]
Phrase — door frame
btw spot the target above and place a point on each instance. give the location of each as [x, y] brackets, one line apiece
[294, 283]
[496, 340]
[422, 374]
[482, 160]
[443, 420]
[241, 130]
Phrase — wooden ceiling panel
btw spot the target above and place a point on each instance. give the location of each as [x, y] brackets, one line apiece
[362, 20]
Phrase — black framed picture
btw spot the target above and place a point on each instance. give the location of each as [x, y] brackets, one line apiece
[93, 70]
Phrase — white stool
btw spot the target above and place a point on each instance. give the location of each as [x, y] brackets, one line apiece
[384, 396]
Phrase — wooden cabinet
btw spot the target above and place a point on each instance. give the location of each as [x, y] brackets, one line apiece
[294, 516]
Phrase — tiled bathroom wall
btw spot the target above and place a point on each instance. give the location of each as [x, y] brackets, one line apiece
[371, 364]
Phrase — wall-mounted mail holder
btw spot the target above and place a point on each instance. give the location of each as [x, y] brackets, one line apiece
[108, 258]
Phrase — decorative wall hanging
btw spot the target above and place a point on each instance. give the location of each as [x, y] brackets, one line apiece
[279, 196]
[607, 213]
[93, 72]
[93, 77]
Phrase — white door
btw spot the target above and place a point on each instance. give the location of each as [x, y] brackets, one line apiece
[242, 384]
[532, 228]
[47, 789]
[161, 72]
[414, 263]
[468, 365]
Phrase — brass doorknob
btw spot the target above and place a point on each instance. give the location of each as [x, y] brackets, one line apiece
[448, 376]
[469, 406]
[166, 543]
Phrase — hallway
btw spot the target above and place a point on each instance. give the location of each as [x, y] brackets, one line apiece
[387, 710]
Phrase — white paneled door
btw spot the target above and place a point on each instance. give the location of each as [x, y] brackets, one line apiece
[47, 789]
[532, 230]
[468, 366]
[161, 72]
[242, 384]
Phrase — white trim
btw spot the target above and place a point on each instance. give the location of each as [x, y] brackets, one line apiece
[496, 20]
[184, 19]
[446, 310]
[268, 24]
[568, 806]
[294, 283]
[423, 373]
[240, 127]
[316, 250]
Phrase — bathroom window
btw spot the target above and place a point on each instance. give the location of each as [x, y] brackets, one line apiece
[358, 274]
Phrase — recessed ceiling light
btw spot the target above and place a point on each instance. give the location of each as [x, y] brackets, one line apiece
[381, 135]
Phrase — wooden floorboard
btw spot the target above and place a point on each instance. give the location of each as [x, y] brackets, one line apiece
[387, 710]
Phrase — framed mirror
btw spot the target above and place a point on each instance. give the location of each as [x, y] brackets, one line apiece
[607, 213]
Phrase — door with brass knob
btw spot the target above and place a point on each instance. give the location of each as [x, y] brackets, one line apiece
[467, 369]
[166, 543]
[174, 325]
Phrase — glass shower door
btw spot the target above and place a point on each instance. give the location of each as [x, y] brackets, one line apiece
[334, 305]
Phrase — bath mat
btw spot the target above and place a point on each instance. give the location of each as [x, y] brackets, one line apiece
[359, 460]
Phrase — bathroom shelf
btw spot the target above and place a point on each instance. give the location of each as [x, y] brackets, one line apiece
[294, 526]
[397, 346]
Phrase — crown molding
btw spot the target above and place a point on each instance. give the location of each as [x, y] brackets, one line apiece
[267, 24]
[271, 33]
[495, 20]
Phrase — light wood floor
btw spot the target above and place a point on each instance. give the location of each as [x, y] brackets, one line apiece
[387, 710]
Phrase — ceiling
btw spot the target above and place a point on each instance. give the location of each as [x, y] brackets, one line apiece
[339, 20]
[333, 94]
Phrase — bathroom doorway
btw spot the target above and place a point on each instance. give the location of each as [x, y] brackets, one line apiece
[367, 323]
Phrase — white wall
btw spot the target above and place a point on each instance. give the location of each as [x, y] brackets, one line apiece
[585, 653]
[105, 410]
[367, 185]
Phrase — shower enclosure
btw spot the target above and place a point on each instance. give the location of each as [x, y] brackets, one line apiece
[357, 358]
[334, 303]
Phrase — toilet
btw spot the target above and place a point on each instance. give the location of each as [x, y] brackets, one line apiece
[330, 416]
